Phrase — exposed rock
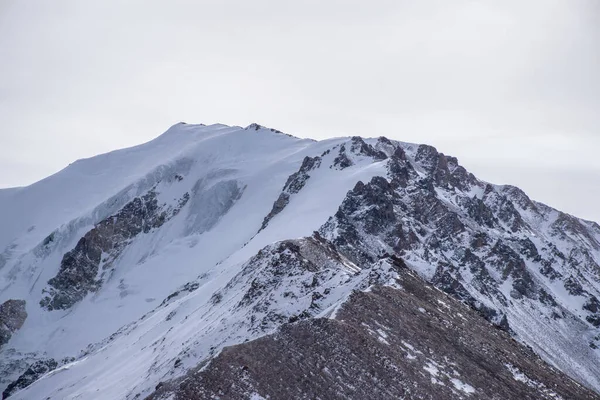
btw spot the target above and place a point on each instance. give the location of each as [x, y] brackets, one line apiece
[529, 250]
[79, 269]
[342, 161]
[567, 224]
[387, 343]
[32, 374]
[187, 288]
[581, 259]
[520, 198]
[255, 127]
[574, 287]
[480, 240]
[479, 211]
[278, 206]
[473, 234]
[449, 225]
[368, 207]
[445, 170]
[546, 298]
[593, 306]
[293, 185]
[594, 320]
[358, 146]
[504, 209]
[445, 281]
[399, 169]
[547, 270]
[12, 318]
[510, 264]
[427, 157]
[297, 180]
[386, 146]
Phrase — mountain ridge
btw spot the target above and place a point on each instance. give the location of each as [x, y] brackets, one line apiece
[524, 266]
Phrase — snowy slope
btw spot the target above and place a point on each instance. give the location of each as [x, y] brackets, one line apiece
[139, 264]
[189, 245]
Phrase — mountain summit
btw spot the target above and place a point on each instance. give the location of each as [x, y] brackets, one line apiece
[245, 263]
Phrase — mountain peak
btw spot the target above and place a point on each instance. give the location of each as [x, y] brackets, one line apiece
[160, 256]
[254, 126]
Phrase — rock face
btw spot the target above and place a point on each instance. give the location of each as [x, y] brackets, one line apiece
[289, 281]
[389, 343]
[96, 250]
[32, 374]
[357, 146]
[12, 318]
[488, 246]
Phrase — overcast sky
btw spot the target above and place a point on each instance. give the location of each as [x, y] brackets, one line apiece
[512, 88]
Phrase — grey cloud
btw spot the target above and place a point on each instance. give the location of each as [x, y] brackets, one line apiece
[507, 86]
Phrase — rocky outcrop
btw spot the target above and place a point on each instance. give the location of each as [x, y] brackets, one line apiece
[400, 169]
[504, 209]
[185, 289]
[566, 224]
[360, 147]
[297, 180]
[257, 127]
[342, 160]
[367, 208]
[12, 318]
[80, 269]
[32, 374]
[478, 210]
[445, 170]
[488, 246]
[510, 264]
[293, 185]
[297, 279]
[357, 147]
[388, 343]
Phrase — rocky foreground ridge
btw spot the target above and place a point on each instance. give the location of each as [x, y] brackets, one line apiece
[409, 340]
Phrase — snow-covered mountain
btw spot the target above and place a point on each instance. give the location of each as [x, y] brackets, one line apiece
[125, 272]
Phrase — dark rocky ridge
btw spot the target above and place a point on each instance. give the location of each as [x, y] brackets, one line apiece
[12, 318]
[483, 243]
[414, 342]
[293, 185]
[293, 280]
[358, 147]
[31, 374]
[376, 209]
[297, 181]
[79, 269]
